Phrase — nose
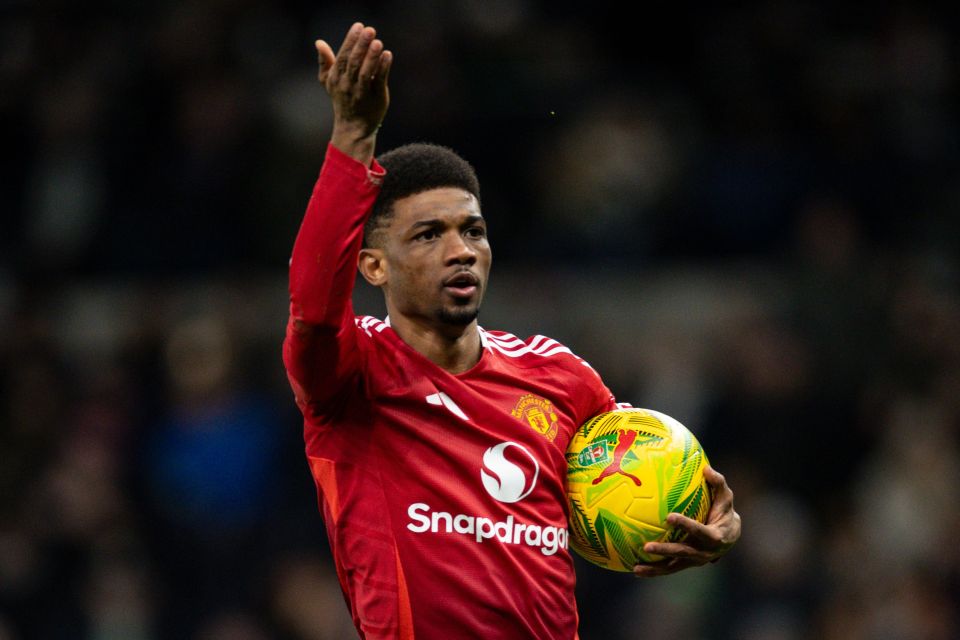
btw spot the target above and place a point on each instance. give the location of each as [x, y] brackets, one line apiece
[459, 251]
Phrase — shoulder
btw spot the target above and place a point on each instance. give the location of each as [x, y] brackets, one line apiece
[557, 362]
[534, 351]
[370, 325]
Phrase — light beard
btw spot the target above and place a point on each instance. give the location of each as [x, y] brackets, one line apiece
[461, 316]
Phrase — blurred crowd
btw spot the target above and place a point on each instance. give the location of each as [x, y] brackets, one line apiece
[746, 218]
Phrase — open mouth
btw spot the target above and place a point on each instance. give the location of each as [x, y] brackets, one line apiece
[461, 285]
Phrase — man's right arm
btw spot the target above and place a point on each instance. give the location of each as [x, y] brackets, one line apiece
[320, 351]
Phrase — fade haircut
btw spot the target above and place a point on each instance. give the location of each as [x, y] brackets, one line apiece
[412, 169]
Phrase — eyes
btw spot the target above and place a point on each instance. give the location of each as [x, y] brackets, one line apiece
[430, 234]
[473, 232]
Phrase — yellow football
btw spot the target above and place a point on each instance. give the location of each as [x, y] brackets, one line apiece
[626, 471]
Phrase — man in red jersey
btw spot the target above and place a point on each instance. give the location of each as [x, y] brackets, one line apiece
[437, 447]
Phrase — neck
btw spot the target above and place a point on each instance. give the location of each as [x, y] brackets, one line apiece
[453, 348]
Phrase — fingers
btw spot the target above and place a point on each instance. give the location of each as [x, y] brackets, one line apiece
[677, 556]
[677, 550]
[371, 61]
[718, 484]
[386, 61]
[359, 51]
[361, 57]
[346, 49]
[380, 72]
[325, 58]
[721, 494]
[713, 476]
[704, 542]
[694, 529]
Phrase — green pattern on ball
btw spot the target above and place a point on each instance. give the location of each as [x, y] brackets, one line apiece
[580, 526]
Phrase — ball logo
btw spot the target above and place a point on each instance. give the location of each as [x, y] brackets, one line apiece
[505, 480]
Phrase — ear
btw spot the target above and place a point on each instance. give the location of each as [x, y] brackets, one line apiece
[373, 266]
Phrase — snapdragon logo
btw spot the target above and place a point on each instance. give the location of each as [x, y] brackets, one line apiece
[549, 539]
[508, 481]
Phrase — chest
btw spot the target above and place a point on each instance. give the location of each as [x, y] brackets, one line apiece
[529, 406]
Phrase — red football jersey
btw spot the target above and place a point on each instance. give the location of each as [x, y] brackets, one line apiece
[443, 495]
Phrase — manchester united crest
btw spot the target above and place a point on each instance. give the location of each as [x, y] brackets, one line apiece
[538, 413]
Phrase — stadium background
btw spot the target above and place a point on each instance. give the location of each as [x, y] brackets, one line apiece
[746, 218]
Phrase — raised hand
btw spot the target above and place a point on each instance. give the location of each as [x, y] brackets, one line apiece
[356, 80]
[704, 542]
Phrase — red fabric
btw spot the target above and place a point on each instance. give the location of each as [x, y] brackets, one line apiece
[405, 444]
[404, 613]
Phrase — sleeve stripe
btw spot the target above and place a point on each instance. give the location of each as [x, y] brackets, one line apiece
[369, 322]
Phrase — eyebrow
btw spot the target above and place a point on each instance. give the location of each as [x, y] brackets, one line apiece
[436, 222]
[433, 222]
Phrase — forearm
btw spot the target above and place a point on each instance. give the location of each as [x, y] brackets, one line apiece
[324, 260]
[354, 141]
[320, 349]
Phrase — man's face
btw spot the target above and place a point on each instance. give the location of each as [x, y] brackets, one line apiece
[436, 257]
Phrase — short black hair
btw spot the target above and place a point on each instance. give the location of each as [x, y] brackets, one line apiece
[413, 168]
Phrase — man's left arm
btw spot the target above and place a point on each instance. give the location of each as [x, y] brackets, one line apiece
[705, 542]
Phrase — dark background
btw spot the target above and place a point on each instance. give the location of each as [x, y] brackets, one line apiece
[747, 218]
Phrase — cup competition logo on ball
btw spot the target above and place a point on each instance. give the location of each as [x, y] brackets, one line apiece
[626, 471]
